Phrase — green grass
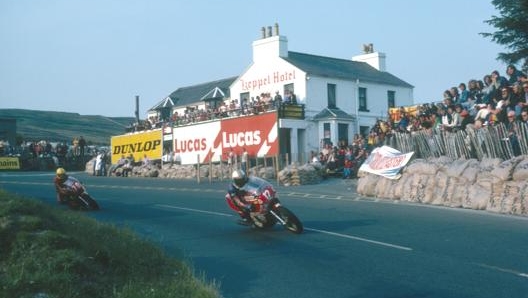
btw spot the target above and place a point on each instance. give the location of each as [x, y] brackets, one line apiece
[36, 125]
[49, 252]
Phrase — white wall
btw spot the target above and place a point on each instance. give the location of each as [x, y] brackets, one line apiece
[268, 76]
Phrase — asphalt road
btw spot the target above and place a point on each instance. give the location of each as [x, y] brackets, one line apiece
[352, 246]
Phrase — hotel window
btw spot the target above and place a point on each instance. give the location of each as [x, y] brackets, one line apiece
[362, 94]
[391, 99]
[244, 98]
[331, 92]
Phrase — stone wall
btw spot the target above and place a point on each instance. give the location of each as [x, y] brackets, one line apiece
[491, 184]
[289, 176]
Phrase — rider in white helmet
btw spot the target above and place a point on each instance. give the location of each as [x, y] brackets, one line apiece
[236, 195]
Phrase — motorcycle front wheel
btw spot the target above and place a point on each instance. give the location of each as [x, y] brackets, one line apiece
[292, 223]
[87, 203]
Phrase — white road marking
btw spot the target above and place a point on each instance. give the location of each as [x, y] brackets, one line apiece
[194, 210]
[309, 229]
[521, 274]
[360, 239]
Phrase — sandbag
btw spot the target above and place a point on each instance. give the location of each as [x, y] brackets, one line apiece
[421, 166]
[504, 170]
[520, 173]
[477, 198]
[457, 168]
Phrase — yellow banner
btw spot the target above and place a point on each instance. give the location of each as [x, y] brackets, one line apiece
[138, 144]
[9, 163]
[397, 113]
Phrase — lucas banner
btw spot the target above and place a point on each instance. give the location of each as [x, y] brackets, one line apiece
[386, 161]
[213, 141]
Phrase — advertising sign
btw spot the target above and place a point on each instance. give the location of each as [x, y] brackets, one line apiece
[386, 161]
[138, 144]
[9, 163]
[213, 141]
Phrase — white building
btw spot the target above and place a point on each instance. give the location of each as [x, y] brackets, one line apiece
[341, 97]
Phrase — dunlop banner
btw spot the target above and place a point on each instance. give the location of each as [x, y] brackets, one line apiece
[9, 163]
[138, 144]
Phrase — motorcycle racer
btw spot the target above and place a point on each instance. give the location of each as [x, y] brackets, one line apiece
[62, 190]
[238, 198]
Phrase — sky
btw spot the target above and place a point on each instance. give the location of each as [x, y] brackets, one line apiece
[93, 57]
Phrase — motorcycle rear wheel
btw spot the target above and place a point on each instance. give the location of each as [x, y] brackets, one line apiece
[293, 224]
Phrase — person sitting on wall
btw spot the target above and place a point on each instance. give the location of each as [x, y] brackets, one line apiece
[120, 163]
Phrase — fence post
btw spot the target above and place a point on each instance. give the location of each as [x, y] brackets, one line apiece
[198, 168]
[210, 171]
[275, 161]
[221, 171]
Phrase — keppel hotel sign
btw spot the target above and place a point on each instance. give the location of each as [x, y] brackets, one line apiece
[277, 77]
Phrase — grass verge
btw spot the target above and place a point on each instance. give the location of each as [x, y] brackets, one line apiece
[47, 252]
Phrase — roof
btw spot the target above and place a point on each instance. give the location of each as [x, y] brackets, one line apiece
[166, 103]
[342, 68]
[193, 94]
[214, 94]
[333, 113]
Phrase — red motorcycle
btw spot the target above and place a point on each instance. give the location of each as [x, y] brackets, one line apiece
[266, 209]
[78, 198]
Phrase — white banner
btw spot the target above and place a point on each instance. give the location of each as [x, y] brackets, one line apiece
[386, 161]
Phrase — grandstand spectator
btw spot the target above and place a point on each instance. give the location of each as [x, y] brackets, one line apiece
[466, 119]
[488, 90]
[450, 120]
[514, 75]
[509, 101]
[475, 92]
[517, 94]
[455, 96]
[524, 115]
[448, 97]
[464, 98]
[497, 112]
[483, 112]
[404, 122]
[444, 118]
[512, 127]
[525, 92]
[498, 81]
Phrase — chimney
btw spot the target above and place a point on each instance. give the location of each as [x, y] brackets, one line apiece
[271, 46]
[374, 59]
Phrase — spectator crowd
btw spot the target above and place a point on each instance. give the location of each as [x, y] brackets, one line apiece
[220, 109]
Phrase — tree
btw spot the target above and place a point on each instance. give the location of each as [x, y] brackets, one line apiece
[512, 30]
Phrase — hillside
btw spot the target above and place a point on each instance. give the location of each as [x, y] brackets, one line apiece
[36, 125]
